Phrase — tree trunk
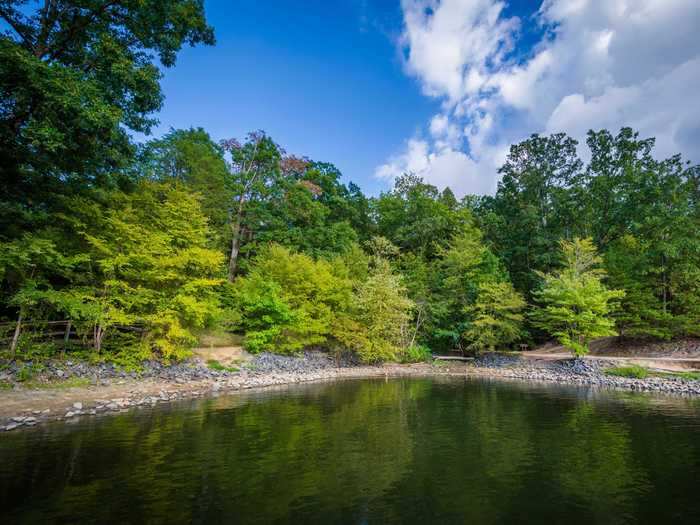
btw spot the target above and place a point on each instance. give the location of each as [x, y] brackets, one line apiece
[99, 333]
[235, 248]
[15, 337]
[235, 242]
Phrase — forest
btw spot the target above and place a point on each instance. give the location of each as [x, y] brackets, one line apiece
[138, 247]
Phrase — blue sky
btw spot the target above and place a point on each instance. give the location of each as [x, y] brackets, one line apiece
[324, 81]
[327, 80]
[440, 88]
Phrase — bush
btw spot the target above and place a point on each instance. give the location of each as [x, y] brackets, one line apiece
[416, 354]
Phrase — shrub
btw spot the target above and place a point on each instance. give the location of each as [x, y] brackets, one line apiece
[416, 354]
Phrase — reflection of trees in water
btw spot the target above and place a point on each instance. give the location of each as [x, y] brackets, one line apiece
[592, 460]
[267, 458]
[472, 451]
[360, 450]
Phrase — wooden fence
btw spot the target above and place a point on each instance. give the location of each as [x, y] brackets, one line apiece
[62, 332]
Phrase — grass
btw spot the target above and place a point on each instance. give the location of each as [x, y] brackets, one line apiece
[215, 365]
[71, 382]
[635, 371]
[692, 375]
[639, 372]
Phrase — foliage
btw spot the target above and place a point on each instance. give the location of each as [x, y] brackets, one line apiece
[290, 301]
[132, 244]
[575, 304]
[75, 78]
[216, 365]
[378, 328]
[497, 317]
[415, 354]
[146, 264]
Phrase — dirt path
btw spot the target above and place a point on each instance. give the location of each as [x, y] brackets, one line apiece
[674, 364]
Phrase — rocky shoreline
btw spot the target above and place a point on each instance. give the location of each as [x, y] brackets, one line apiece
[112, 390]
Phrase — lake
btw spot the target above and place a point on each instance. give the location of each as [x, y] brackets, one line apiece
[366, 451]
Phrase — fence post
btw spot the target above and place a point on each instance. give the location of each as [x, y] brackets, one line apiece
[15, 337]
[66, 337]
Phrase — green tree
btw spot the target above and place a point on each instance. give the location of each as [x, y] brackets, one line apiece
[462, 267]
[536, 204]
[289, 301]
[75, 77]
[496, 316]
[575, 304]
[255, 178]
[380, 325]
[643, 213]
[190, 157]
[416, 217]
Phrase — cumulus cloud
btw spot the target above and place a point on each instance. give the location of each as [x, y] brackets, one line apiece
[596, 64]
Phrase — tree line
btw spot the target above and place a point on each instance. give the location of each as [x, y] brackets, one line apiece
[183, 234]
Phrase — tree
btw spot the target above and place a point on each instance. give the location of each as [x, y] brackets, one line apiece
[150, 266]
[643, 213]
[496, 316]
[462, 267]
[289, 301]
[575, 304]
[417, 217]
[536, 204]
[256, 177]
[191, 158]
[379, 327]
[75, 77]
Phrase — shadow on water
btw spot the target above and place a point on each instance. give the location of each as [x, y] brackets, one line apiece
[367, 451]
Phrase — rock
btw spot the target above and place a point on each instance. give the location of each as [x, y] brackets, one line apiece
[11, 426]
[69, 414]
[78, 406]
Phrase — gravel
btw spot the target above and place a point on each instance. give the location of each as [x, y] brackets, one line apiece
[193, 378]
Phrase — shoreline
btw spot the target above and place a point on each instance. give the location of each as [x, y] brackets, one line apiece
[22, 408]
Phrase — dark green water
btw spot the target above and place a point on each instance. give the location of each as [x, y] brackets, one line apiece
[370, 451]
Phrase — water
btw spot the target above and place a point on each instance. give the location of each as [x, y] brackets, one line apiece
[368, 451]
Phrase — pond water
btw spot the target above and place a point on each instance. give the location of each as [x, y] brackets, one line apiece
[366, 451]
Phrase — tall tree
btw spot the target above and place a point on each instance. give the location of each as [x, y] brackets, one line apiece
[536, 205]
[191, 158]
[417, 217]
[75, 77]
[256, 177]
[643, 213]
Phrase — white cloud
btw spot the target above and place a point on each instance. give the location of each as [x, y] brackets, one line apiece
[444, 167]
[599, 64]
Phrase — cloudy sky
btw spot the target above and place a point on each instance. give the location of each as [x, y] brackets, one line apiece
[442, 88]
